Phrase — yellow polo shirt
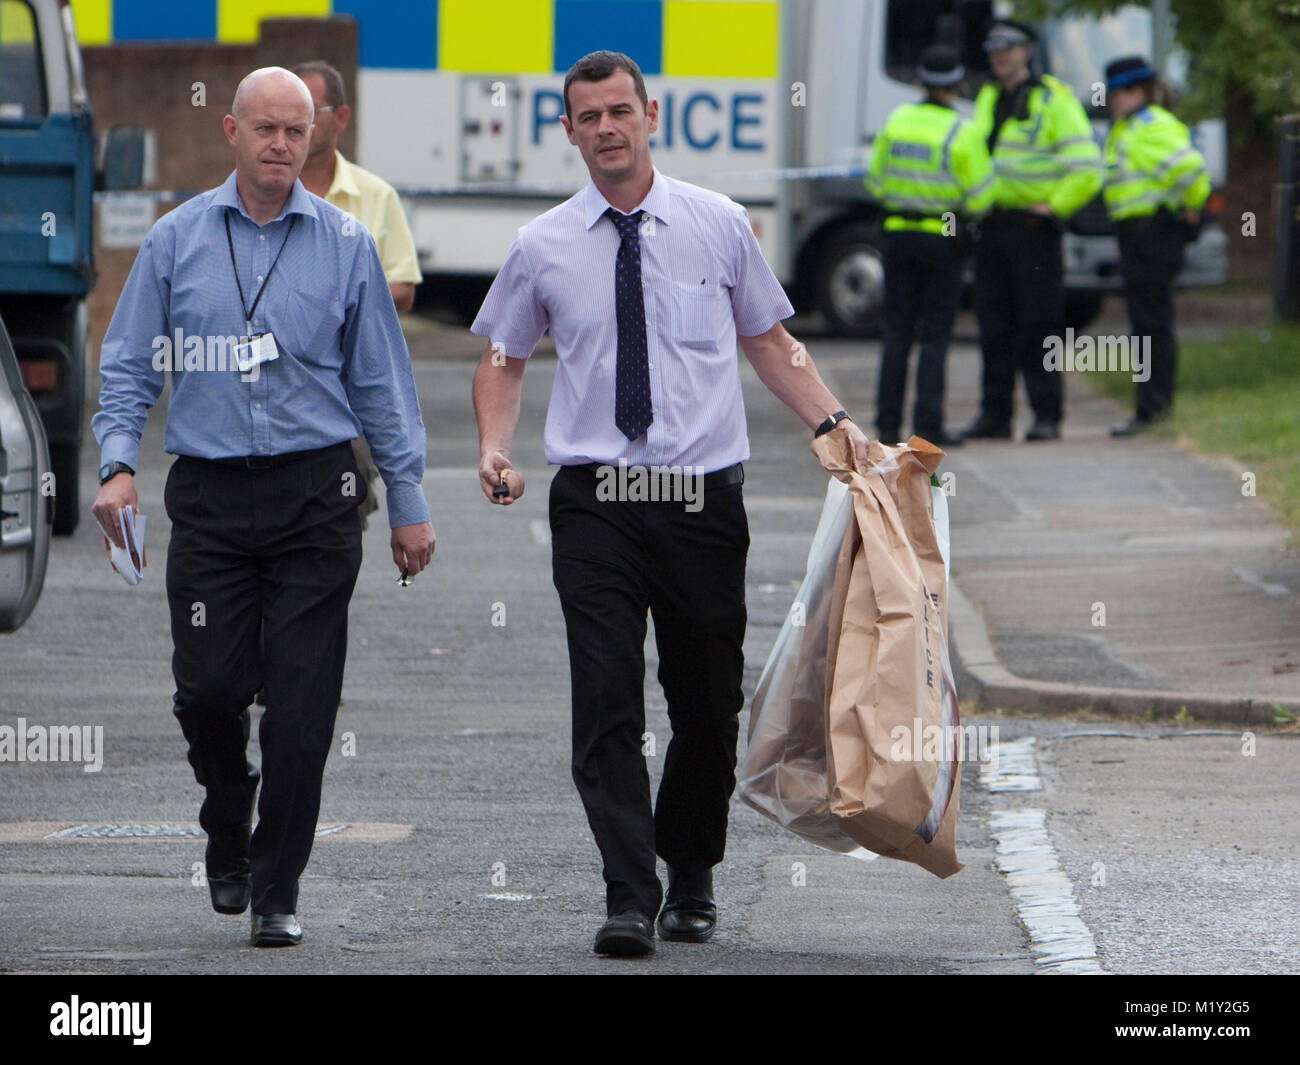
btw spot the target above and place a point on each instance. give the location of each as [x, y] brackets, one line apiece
[374, 203]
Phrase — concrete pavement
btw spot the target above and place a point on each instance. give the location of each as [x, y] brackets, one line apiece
[465, 848]
[1125, 576]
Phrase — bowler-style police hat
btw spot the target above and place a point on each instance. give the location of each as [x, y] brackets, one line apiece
[1130, 70]
[940, 66]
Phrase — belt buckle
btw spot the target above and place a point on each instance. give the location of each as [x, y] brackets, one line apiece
[257, 462]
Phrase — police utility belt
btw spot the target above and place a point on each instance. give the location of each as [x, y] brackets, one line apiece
[1020, 218]
[918, 216]
[1158, 219]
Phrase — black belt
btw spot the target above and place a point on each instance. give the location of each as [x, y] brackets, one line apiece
[723, 478]
[1013, 217]
[917, 216]
[1147, 221]
[268, 462]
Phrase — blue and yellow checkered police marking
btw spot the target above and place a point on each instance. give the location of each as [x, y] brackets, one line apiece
[673, 37]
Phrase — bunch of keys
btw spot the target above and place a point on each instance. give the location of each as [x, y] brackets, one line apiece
[502, 490]
[404, 581]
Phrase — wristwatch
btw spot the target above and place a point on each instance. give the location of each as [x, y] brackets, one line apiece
[830, 423]
[112, 469]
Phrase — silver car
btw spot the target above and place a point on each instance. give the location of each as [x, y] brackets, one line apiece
[26, 495]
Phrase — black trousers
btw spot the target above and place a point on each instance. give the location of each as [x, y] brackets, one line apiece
[613, 561]
[260, 569]
[922, 281]
[1019, 301]
[1151, 254]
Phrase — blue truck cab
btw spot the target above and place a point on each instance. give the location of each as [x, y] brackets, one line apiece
[47, 183]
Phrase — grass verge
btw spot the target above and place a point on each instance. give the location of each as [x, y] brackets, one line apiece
[1239, 396]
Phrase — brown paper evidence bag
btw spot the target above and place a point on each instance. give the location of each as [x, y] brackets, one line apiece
[854, 726]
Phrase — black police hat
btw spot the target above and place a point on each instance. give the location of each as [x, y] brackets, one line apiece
[1005, 33]
[940, 66]
[1130, 70]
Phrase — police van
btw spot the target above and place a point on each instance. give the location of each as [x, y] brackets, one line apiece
[774, 103]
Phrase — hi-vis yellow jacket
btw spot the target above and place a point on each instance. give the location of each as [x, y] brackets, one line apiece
[928, 160]
[1049, 156]
[1151, 164]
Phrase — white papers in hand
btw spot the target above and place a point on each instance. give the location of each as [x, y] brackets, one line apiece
[129, 560]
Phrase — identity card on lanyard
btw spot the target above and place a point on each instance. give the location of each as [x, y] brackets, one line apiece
[255, 348]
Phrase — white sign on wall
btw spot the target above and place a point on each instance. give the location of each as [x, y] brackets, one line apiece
[125, 219]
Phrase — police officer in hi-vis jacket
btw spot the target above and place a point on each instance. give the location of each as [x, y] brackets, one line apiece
[1046, 166]
[1156, 185]
[929, 167]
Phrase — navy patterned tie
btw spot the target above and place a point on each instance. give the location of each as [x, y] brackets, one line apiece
[632, 413]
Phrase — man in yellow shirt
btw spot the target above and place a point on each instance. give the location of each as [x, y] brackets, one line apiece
[369, 199]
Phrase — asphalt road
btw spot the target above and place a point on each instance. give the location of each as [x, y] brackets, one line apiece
[466, 849]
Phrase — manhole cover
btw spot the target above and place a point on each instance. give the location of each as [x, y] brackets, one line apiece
[128, 832]
[152, 832]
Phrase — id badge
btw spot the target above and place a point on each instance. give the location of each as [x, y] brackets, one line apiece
[256, 350]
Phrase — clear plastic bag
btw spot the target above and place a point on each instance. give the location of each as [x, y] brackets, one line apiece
[783, 775]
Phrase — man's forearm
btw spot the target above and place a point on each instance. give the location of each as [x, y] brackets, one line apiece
[403, 295]
[498, 384]
[787, 370]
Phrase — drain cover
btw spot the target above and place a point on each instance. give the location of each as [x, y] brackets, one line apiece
[152, 832]
[128, 832]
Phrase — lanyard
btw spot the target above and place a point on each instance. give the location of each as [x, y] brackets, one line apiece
[248, 314]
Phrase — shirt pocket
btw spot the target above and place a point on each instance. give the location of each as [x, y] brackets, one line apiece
[699, 314]
[312, 324]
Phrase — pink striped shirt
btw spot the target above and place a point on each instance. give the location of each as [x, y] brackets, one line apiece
[705, 281]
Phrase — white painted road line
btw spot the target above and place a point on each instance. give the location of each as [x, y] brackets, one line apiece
[1043, 895]
[1012, 767]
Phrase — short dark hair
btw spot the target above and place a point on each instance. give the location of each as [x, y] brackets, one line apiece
[597, 66]
[334, 91]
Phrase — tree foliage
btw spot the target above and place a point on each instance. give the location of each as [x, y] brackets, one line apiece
[1244, 53]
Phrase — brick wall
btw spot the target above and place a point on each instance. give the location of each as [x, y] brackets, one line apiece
[153, 85]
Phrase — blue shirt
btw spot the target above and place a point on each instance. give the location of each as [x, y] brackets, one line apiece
[343, 366]
[704, 281]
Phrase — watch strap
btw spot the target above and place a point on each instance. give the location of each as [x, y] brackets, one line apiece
[111, 469]
[830, 423]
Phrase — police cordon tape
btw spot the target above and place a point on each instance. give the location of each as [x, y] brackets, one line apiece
[804, 173]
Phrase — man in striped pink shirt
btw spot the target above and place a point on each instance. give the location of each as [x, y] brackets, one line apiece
[647, 285]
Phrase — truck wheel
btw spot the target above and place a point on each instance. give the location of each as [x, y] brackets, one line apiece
[851, 282]
[65, 461]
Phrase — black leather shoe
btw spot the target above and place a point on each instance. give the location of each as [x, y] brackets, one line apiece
[983, 429]
[940, 438]
[689, 914]
[889, 435]
[276, 930]
[1131, 427]
[226, 865]
[626, 935]
[1044, 431]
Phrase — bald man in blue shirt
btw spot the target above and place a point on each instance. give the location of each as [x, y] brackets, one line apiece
[271, 310]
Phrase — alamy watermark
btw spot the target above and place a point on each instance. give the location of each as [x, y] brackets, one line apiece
[53, 743]
[651, 484]
[213, 354]
[943, 743]
[77, 1018]
[1076, 354]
